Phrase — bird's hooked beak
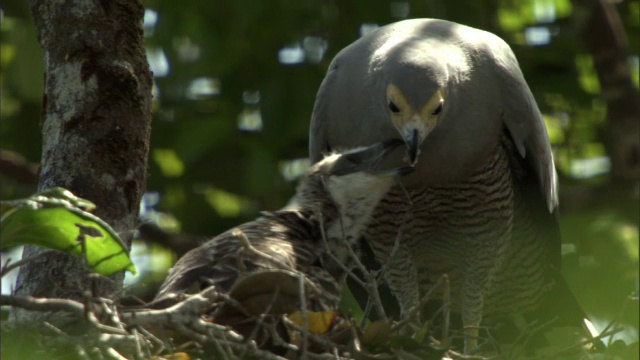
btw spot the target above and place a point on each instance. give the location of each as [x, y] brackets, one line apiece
[369, 159]
[413, 146]
[413, 123]
[413, 133]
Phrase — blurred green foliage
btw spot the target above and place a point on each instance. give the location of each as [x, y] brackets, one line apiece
[235, 83]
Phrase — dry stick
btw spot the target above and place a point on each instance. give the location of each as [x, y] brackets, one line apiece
[365, 314]
[224, 336]
[457, 355]
[528, 333]
[247, 246]
[590, 341]
[38, 304]
[413, 312]
[86, 342]
[260, 318]
[355, 340]
[182, 347]
[8, 267]
[524, 337]
[221, 342]
[371, 283]
[93, 320]
[113, 315]
[305, 318]
[333, 257]
[279, 341]
[113, 354]
[137, 344]
[222, 348]
[493, 341]
[218, 347]
[371, 280]
[614, 320]
[322, 340]
[244, 240]
[447, 306]
[55, 329]
[183, 311]
[52, 305]
[175, 317]
[327, 356]
[242, 268]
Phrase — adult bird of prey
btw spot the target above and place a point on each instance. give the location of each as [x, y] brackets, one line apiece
[483, 199]
[334, 202]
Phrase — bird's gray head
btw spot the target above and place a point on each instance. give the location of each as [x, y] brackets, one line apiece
[419, 72]
[447, 90]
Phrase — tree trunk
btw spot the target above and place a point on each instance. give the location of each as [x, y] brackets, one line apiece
[96, 127]
[602, 32]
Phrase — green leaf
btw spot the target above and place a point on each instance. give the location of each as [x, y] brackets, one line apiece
[56, 219]
[56, 196]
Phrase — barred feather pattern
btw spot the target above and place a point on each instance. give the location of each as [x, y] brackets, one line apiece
[478, 232]
[289, 239]
[331, 208]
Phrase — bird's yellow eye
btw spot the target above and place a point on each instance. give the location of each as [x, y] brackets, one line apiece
[438, 110]
[393, 107]
[396, 102]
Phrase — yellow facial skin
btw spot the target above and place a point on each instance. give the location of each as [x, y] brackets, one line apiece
[413, 124]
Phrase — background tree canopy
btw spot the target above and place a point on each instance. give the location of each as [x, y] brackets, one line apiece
[235, 83]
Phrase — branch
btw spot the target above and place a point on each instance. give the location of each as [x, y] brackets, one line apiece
[184, 317]
[44, 305]
[371, 281]
[17, 167]
[8, 266]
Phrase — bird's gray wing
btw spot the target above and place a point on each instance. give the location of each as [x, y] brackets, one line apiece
[318, 142]
[522, 118]
[346, 113]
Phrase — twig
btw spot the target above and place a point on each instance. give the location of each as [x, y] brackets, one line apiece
[371, 282]
[589, 341]
[113, 354]
[413, 312]
[305, 319]
[38, 304]
[447, 306]
[457, 355]
[260, 323]
[342, 266]
[150, 337]
[17, 167]
[244, 240]
[183, 311]
[8, 266]
[616, 319]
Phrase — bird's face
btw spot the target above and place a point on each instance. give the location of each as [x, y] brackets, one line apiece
[413, 123]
